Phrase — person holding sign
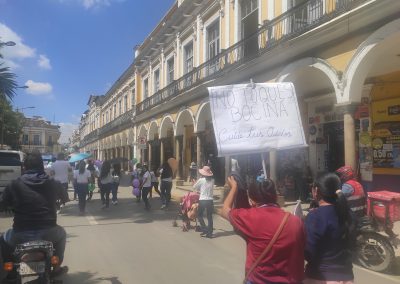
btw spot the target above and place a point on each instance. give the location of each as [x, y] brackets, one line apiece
[275, 239]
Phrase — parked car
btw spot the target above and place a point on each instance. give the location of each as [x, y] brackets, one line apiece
[10, 167]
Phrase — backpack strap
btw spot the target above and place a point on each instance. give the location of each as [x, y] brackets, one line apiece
[268, 248]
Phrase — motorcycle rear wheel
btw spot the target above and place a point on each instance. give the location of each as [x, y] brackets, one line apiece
[375, 252]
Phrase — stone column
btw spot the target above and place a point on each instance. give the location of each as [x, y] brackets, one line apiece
[199, 153]
[349, 137]
[273, 165]
[149, 155]
[162, 158]
[178, 156]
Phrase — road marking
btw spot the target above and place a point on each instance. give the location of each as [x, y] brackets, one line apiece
[92, 220]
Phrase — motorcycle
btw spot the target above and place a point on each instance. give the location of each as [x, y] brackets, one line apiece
[33, 263]
[374, 251]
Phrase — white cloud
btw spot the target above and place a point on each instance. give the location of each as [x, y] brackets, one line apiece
[91, 4]
[95, 3]
[38, 88]
[19, 50]
[44, 62]
[66, 131]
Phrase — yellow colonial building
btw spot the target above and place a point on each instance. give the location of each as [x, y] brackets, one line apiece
[341, 55]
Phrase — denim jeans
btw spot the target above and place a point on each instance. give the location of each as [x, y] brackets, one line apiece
[166, 187]
[56, 235]
[105, 190]
[206, 205]
[114, 191]
[145, 193]
[82, 190]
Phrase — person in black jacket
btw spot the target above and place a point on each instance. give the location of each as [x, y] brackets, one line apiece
[166, 184]
[33, 197]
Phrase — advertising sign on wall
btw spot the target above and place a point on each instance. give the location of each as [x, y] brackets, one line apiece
[251, 118]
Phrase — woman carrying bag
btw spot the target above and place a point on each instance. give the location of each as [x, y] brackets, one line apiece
[275, 239]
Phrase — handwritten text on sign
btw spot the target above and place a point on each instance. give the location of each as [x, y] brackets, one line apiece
[255, 118]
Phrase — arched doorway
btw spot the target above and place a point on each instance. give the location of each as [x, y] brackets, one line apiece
[207, 144]
[167, 138]
[373, 77]
[184, 131]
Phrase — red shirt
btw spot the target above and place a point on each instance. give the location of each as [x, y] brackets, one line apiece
[284, 263]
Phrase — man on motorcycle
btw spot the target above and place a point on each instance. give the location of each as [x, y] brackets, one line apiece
[352, 190]
[33, 197]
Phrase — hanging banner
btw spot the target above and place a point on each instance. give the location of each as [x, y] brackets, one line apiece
[252, 118]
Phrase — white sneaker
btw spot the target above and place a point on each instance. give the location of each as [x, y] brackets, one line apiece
[163, 206]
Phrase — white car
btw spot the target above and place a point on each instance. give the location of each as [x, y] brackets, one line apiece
[10, 167]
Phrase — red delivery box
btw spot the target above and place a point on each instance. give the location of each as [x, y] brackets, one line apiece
[384, 204]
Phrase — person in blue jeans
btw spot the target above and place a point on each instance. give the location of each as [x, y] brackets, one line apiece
[82, 178]
[146, 186]
[205, 186]
[166, 184]
[116, 177]
[106, 183]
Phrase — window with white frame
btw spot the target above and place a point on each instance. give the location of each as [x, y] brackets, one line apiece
[188, 56]
[170, 70]
[213, 40]
[156, 82]
[145, 88]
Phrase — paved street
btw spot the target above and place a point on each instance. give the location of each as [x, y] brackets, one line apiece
[126, 244]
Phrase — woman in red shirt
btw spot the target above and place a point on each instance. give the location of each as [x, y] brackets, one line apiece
[284, 263]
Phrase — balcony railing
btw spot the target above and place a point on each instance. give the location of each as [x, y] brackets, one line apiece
[120, 123]
[91, 137]
[290, 24]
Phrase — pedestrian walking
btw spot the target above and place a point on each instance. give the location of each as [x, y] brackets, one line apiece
[329, 230]
[116, 173]
[205, 186]
[59, 170]
[106, 183]
[275, 239]
[154, 181]
[82, 178]
[136, 177]
[146, 186]
[93, 173]
[166, 184]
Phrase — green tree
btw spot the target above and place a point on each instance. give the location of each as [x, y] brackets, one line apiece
[8, 85]
[11, 124]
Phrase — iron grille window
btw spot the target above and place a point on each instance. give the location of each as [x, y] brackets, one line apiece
[170, 71]
[25, 139]
[36, 140]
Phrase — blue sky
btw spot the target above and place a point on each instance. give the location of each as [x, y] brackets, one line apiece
[67, 50]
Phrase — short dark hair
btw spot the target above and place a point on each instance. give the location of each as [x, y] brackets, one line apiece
[34, 161]
[60, 156]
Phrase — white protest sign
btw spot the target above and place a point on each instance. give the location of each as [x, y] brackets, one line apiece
[253, 118]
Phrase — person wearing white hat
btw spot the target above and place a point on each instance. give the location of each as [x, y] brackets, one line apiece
[205, 185]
